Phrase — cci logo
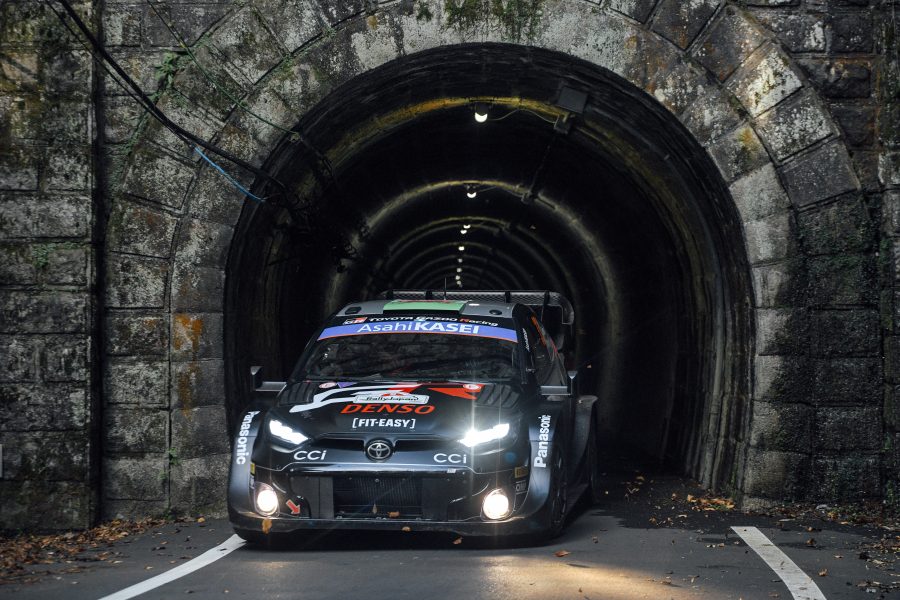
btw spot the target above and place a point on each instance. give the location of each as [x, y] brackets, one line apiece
[453, 459]
[310, 455]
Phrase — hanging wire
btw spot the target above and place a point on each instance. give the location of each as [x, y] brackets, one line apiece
[237, 101]
[138, 94]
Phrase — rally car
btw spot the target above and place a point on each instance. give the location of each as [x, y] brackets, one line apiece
[418, 413]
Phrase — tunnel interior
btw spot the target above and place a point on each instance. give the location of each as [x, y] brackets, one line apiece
[582, 184]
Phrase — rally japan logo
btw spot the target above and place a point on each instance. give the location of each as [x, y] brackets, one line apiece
[379, 450]
[398, 393]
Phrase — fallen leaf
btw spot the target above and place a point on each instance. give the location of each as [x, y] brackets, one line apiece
[201, 520]
[405, 529]
[394, 514]
[823, 573]
[457, 541]
[561, 553]
[811, 542]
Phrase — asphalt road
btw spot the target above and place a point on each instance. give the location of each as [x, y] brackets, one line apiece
[623, 548]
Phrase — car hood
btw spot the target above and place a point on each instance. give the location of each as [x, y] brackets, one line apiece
[362, 409]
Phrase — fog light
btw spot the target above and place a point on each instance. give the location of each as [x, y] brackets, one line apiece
[496, 505]
[266, 500]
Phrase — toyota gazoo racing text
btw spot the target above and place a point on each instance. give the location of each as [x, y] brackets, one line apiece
[420, 414]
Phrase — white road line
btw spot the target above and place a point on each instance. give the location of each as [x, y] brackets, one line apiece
[208, 557]
[801, 585]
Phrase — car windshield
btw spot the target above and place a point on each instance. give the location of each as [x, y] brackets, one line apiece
[385, 353]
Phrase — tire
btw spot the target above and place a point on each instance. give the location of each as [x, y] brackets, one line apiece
[595, 486]
[558, 497]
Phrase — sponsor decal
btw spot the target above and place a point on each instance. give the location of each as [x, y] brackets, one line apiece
[472, 387]
[354, 321]
[295, 508]
[453, 458]
[359, 423]
[521, 486]
[428, 326]
[311, 455]
[459, 392]
[390, 398]
[327, 385]
[374, 393]
[543, 452]
[520, 472]
[241, 452]
[400, 409]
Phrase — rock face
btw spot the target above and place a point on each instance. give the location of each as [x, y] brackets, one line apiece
[114, 237]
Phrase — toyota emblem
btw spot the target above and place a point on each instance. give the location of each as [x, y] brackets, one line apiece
[378, 450]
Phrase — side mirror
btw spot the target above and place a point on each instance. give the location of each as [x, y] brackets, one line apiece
[573, 382]
[264, 391]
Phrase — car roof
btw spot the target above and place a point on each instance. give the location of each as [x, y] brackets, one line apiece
[468, 308]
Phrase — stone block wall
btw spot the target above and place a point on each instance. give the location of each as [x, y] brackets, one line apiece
[842, 385]
[48, 323]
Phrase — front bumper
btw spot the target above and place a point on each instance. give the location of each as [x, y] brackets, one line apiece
[420, 500]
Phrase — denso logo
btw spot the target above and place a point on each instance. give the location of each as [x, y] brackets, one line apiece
[543, 442]
[240, 448]
[313, 455]
[401, 409]
[453, 459]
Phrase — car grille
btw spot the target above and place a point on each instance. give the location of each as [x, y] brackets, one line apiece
[378, 497]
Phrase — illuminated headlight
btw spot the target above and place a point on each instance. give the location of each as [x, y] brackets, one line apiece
[282, 431]
[475, 437]
[496, 505]
[266, 500]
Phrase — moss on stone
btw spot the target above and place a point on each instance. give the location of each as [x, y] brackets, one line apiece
[517, 19]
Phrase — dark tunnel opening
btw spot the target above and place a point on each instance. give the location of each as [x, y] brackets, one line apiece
[618, 208]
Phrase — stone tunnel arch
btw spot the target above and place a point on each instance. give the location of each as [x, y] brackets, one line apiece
[750, 135]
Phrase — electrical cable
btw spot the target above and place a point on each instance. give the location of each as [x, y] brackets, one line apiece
[237, 102]
[181, 133]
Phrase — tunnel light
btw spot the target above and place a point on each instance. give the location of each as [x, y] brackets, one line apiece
[471, 194]
[458, 278]
[462, 248]
[459, 260]
[481, 113]
[467, 226]
[463, 232]
[459, 269]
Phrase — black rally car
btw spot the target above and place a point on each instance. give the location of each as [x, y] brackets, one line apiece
[414, 413]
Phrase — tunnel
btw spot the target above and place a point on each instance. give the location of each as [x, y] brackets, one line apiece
[576, 182]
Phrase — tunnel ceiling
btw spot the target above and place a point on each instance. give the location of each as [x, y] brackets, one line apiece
[617, 207]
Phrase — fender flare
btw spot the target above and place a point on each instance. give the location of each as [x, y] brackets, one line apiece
[240, 477]
[540, 476]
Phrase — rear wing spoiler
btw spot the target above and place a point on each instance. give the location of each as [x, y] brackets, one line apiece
[554, 310]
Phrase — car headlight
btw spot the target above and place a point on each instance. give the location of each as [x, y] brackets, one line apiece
[282, 431]
[475, 437]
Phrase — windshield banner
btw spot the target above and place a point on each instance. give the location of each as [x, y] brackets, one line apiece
[423, 326]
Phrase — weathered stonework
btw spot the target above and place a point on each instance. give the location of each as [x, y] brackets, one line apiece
[793, 102]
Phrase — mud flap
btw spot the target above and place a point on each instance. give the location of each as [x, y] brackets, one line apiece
[584, 407]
